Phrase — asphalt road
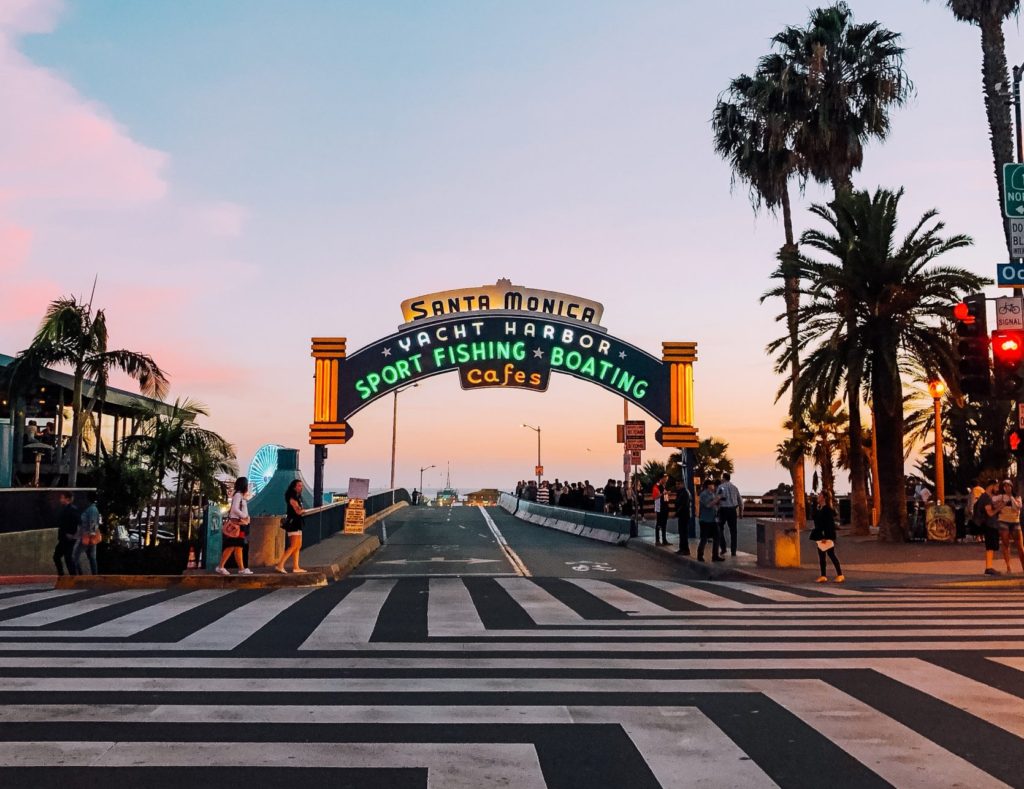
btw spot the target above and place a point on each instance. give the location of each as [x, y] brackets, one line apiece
[439, 666]
[460, 541]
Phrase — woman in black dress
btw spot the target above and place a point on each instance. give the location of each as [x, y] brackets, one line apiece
[824, 536]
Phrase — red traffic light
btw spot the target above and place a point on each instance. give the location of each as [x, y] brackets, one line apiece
[1014, 441]
[962, 312]
[1007, 346]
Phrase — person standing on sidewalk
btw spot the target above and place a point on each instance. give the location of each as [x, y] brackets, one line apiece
[729, 507]
[67, 527]
[709, 530]
[1008, 521]
[88, 535]
[659, 494]
[683, 514]
[985, 515]
[824, 536]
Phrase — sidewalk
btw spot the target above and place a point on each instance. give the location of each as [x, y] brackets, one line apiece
[864, 560]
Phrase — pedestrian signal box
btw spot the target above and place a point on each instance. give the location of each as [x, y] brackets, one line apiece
[972, 346]
[1008, 364]
[1015, 441]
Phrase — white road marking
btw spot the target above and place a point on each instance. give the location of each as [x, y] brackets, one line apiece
[449, 766]
[450, 609]
[512, 556]
[137, 621]
[61, 612]
[542, 607]
[353, 619]
[232, 629]
[627, 602]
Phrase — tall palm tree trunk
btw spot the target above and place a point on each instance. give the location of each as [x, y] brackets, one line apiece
[859, 512]
[994, 73]
[75, 449]
[791, 284]
[887, 396]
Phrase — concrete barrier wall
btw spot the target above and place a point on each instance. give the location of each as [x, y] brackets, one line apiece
[592, 525]
[28, 552]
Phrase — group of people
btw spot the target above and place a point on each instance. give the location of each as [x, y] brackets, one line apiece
[77, 533]
[235, 530]
[996, 512]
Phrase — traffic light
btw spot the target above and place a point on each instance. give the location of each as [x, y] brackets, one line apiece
[1008, 364]
[1015, 441]
[972, 348]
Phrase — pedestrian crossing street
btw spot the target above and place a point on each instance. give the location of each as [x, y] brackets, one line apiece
[508, 681]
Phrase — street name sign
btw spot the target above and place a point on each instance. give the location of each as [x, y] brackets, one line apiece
[1013, 190]
[1010, 275]
[1010, 313]
[1017, 237]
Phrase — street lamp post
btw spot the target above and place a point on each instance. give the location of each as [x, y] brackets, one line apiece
[537, 431]
[425, 468]
[936, 389]
[394, 436]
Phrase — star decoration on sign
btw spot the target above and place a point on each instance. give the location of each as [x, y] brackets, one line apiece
[622, 354]
[387, 351]
[538, 353]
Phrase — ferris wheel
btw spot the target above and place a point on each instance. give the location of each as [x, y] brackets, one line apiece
[262, 467]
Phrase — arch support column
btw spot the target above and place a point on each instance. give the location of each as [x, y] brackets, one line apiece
[329, 356]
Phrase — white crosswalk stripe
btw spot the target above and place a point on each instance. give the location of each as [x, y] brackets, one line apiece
[820, 660]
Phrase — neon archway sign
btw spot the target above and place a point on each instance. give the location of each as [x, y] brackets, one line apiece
[502, 336]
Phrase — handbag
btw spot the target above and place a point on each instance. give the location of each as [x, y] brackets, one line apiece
[824, 545]
[232, 528]
[92, 538]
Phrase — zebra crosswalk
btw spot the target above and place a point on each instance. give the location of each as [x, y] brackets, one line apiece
[512, 681]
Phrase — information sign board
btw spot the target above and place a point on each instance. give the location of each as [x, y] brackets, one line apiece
[355, 516]
[1017, 237]
[1013, 190]
[358, 488]
[636, 434]
[538, 471]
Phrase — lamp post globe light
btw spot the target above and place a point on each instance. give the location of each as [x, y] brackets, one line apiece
[937, 389]
[539, 465]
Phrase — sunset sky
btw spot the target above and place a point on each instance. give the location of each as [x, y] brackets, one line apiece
[242, 175]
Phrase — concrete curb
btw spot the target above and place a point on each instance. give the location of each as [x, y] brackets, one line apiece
[10, 580]
[346, 564]
[258, 580]
[576, 529]
[708, 571]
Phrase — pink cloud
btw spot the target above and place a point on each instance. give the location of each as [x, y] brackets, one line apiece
[63, 146]
[15, 242]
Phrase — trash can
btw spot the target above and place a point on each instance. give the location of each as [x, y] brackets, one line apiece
[778, 543]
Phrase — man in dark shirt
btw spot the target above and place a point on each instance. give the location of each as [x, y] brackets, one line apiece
[67, 526]
[683, 510]
[986, 515]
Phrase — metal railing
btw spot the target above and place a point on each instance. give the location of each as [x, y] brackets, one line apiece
[319, 523]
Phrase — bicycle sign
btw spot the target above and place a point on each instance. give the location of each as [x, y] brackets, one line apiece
[1010, 313]
[584, 566]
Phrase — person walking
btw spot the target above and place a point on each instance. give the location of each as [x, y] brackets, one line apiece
[292, 527]
[708, 519]
[87, 537]
[985, 515]
[1008, 522]
[729, 507]
[683, 508]
[660, 496]
[824, 536]
[235, 529]
[67, 528]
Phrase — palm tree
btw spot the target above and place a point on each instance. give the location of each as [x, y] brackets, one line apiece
[825, 422]
[753, 126]
[167, 441]
[989, 16]
[72, 334]
[884, 293]
[845, 77]
[711, 459]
